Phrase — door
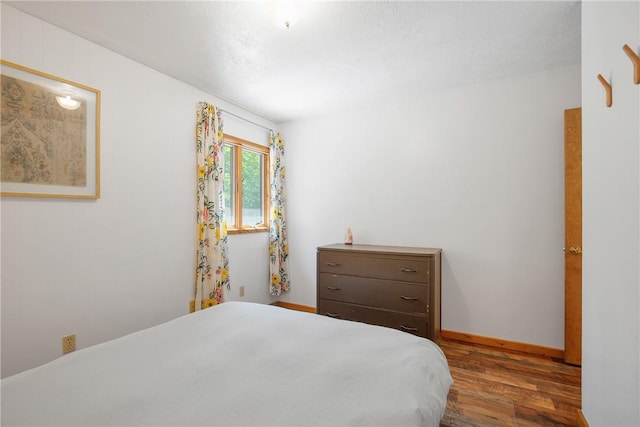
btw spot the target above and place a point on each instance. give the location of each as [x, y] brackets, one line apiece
[573, 236]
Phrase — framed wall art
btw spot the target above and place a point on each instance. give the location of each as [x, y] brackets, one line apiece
[50, 130]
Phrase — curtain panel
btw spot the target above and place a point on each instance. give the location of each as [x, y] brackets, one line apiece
[212, 270]
[278, 243]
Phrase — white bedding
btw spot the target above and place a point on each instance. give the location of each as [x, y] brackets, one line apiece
[239, 364]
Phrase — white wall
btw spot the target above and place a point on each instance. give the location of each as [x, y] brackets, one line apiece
[477, 171]
[611, 217]
[104, 268]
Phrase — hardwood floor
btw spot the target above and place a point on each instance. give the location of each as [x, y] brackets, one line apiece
[494, 387]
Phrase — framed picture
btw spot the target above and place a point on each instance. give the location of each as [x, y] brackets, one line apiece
[50, 130]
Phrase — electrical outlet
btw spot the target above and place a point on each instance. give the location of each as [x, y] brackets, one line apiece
[68, 343]
[241, 291]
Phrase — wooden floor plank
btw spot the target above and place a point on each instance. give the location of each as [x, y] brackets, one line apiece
[498, 388]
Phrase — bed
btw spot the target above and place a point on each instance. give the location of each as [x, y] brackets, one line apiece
[239, 364]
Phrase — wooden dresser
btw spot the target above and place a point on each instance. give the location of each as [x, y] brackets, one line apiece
[397, 287]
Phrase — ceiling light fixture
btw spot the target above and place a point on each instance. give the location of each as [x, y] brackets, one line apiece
[67, 102]
[286, 13]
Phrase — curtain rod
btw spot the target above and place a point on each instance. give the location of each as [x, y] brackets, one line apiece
[246, 120]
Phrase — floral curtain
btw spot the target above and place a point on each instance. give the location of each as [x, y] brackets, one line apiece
[278, 244]
[212, 271]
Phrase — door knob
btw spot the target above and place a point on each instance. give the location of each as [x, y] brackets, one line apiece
[575, 250]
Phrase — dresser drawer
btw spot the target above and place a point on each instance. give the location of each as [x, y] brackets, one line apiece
[398, 296]
[403, 269]
[412, 323]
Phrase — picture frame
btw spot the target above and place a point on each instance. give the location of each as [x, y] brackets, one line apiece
[50, 135]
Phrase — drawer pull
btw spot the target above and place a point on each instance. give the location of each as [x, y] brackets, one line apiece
[332, 288]
[406, 298]
[334, 315]
[408, 270]
[408, 329]
[333, 264]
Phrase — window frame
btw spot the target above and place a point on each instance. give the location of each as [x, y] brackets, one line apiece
[237, 146]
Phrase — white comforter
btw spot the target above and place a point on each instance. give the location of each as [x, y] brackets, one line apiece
[239, 364]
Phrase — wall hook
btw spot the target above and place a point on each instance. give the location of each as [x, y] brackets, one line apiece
[635, 59]
[607, 89]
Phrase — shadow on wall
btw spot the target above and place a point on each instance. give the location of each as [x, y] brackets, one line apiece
[451, 292]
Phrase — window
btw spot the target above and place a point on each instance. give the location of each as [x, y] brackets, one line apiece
[246, 185]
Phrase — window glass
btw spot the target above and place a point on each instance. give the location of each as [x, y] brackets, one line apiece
[252, 188]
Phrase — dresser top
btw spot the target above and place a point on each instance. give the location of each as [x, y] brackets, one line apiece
[381, 249]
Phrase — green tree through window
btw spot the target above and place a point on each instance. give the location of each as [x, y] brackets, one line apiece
[252, 193]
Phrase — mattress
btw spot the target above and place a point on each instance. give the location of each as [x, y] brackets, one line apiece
[239, 364]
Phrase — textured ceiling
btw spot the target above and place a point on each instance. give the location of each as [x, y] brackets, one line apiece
[338, 54]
